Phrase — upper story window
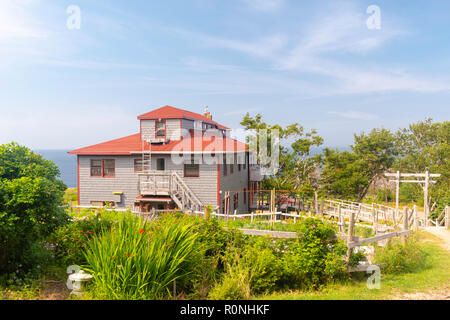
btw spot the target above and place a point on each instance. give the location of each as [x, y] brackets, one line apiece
[103, 168]
[160, 128]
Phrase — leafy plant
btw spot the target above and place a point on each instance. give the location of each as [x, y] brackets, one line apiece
[397, 258]
[31, 196]
[315, 257]
[135, 260]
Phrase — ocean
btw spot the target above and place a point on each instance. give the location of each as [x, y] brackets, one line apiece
[67, 165]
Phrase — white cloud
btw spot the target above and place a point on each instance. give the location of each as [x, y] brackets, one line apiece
[355, 115]
[319, 48]
[16, 22]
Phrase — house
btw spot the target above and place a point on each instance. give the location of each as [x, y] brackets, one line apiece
[178, 159]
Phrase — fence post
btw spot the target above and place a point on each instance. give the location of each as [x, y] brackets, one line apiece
[416, 222]
[350, 235]
[405, 224]
[375, 227]
[447, 217]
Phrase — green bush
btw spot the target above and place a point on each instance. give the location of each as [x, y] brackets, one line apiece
[255, 259]
[69, 242]
[267, 264]
[315, 257]
[31, 196]
[397, 258]
[384, 195]
[410, 192]
[138, 260]
[235, 284]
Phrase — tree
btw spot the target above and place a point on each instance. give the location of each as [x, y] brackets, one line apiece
[296, 163]
[31, 196]
[349, 174]
[425, 146]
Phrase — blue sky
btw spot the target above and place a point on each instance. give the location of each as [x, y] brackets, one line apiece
[316, 63]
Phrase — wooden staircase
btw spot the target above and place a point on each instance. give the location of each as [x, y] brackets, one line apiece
[169, 183]
[183, 196]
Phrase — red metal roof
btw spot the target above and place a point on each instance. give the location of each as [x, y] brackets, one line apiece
[133, 144]
[168, 112]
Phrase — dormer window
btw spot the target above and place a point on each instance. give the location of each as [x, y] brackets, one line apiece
[160, 128]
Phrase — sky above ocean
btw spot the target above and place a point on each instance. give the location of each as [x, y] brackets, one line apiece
[318, 63]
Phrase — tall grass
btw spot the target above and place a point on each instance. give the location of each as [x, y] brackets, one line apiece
[136, 260]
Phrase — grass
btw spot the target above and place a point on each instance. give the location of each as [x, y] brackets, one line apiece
[433, 276]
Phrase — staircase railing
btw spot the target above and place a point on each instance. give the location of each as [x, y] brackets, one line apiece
[183, 195]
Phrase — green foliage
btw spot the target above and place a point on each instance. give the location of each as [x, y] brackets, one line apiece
[31, 196]
[315, 257]
[136, 260]
[411, 193]
[234, 286]
[349, 174]
[384, 195]
[68, 242]
[262, 264]
[206, 263]
[425, 146]
[397, 258]
[297, 166]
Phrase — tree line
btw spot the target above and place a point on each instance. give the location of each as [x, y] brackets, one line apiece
[349, 174]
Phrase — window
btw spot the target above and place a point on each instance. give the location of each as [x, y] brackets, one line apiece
[245, 196]
[137, 165]
[236, 201]
[191, 170]
[231, 168]
[245, 162]
[96, 168]
[225, 168]
[160, 128]
[109, 168]
[239, 167]
[103, 168]
[160, 164]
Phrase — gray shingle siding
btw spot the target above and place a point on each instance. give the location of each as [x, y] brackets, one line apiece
[126, 180]
[238, 181]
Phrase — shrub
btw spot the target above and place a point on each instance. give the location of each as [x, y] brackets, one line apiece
[234, 286]
[69, 242]
[136, 260]
[315, 257]
[384, 195]
[31, 196]
[397, 258]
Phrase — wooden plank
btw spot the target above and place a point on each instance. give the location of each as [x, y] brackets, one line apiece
[379, 238]
[273, 234]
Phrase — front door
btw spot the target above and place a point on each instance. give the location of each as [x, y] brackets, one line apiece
[160, 164]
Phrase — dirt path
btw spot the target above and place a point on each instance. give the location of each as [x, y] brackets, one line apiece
[442, 234]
